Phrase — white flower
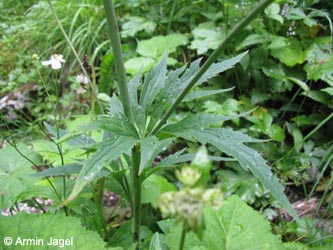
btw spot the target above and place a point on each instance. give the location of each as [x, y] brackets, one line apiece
[55, 61]
[82, 79]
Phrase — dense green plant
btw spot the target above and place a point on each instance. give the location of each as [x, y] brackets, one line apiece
[117, 149]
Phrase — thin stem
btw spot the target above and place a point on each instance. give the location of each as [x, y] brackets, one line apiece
[212, 58]
[182, 238]
[59, 147]
[74, 52]
[118, 55]
[136, 200]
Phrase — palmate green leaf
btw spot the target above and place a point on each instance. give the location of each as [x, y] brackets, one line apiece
[150, 148]
[134, 64]
[107, 151]
[14, 172]
[43, 227]
[135, 24]
[178, 79]
[236, 226]
[231, 143]
[290, 55]
[206, 36]
[158, 45]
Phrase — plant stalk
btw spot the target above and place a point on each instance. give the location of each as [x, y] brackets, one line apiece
[119, 61]
[212, 58]
[182, 238]
[136, 199]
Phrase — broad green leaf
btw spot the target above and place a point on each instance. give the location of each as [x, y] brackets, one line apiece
[277, 42]
[237, 226]
[42, 228]
[273, 70]
[108, 151]
[290, 55]
[153, 187]
[158, 45]
[150, 148]
[135, 24]
[134, 64]
[204, 93]
[14, 173]
[206, 36]
[272, 11]
[231, 143]
[153, 83]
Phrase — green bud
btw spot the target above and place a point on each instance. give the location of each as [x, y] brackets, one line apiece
[188, 176]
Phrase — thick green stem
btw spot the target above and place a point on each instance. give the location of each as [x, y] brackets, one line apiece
[136, 199]
[182, 238]
[212, 58]
[119, 62]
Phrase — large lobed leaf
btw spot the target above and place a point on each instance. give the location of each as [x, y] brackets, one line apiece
[235, 226]
[14, 170]
[163, 89]
[42, 227]
[231, 143]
